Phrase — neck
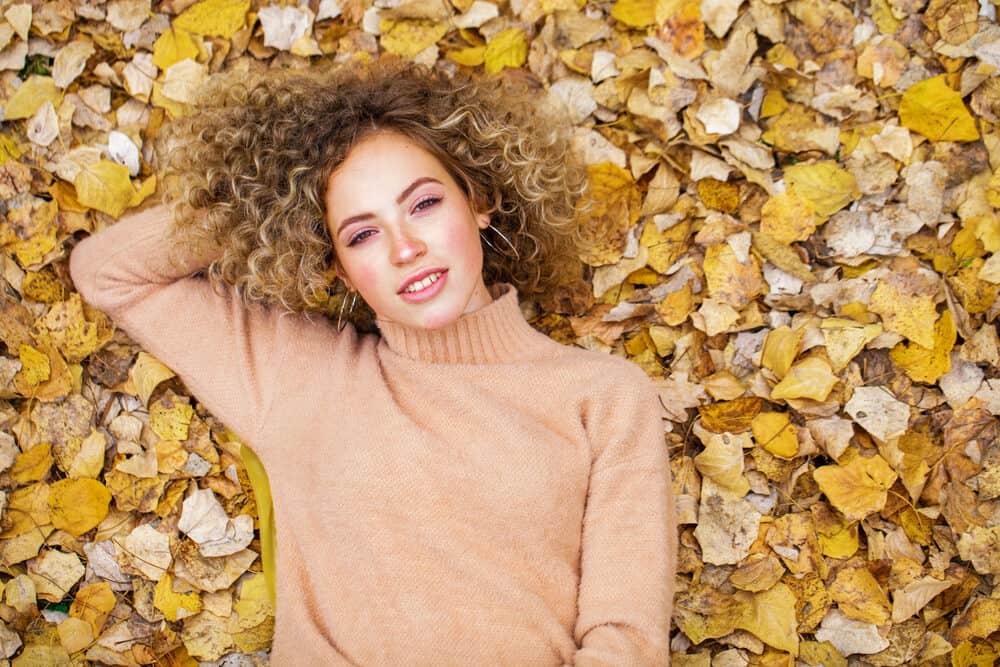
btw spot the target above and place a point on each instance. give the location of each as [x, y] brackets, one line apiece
[495, 333]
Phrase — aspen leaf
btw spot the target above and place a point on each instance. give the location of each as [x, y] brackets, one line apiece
[93, 603]
[616, 203]
[782, 256]
[147, 373]
[722, 460]
[858, 487]
[827, 185]
[408, 37]
[635, 13]
[810, 378]
[172, 46]
[77, 505]
[730, 280]
[105, 186]
[175, 606]
[781, 346]
[75, 634]
[730, 416]
[788, 217]
[33, 465]
[845, 339]
[859, 596]
[55, 573]
[34, 366]
[32, 94]
[169, 417]
[774, 432]
[508, 48]
[472, 56]
[770, 616]
[911, 315]
[932, 108]
[928, 365]
[217, 18]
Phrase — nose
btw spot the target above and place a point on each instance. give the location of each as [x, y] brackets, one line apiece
[406, 248]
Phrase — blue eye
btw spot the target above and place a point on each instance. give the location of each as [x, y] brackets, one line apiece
[430, 201]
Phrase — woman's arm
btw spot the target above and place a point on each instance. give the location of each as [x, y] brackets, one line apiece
[629, 551]
[228, 355]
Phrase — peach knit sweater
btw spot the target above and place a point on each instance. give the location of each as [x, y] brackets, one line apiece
[474, 495]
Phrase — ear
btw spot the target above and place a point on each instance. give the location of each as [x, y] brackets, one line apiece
[342, 275]
[483, 220]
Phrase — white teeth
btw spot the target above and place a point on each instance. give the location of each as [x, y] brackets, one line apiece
[415, 287]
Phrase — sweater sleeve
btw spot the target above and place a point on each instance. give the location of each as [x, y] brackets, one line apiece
[227, 354]
[629, 544]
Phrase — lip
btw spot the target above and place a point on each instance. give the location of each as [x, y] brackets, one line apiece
[420, 275]
[428, 292]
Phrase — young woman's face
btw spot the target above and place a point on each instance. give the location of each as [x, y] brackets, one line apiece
[394, 212]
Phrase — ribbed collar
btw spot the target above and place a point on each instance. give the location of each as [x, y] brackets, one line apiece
[493, 334]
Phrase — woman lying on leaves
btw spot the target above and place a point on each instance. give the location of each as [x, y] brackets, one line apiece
[450, 486]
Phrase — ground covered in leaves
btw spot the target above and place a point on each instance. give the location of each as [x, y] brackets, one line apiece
[795, 233]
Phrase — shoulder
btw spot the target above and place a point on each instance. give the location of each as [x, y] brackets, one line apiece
[604, 375]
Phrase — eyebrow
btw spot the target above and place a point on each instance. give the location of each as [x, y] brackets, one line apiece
[399, 200]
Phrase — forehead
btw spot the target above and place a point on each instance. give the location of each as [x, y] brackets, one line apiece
[388, 156]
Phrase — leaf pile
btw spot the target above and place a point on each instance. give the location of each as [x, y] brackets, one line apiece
[794, 231]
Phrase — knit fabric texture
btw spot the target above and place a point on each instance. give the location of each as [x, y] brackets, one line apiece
[477, 494]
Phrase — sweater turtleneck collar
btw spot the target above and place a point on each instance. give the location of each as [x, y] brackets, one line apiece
[495, 333]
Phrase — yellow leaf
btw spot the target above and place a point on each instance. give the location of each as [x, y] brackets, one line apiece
[720, 195]
[827, 185]
[175, 606]
[74, 337]
[27, 510]
[93, 603]
[810, 378]
[616, 204]
[770, 616]
[35, 91]
[35, 367]
[218, 18]
[169, 417]
[928, 365]
[75, 635]
[821, 653]
[782, 256]
[254, 604]
[841, 542]
[147, 373]
[470, 57]
[788, 217]
[781, 346]
[858, 487]
[105, 186]
[508, 48]
[859, 596]
[730, 416]
[77, 505]
[932, 108]
[173, 46]
[845, 339]
[408, 37]
[635, 13]
[908, 314]
[729, 279]
[33, 465]
[722, 460]
[665, 247]
[775, 432]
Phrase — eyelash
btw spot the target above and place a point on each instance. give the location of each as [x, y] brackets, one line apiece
[361, 236]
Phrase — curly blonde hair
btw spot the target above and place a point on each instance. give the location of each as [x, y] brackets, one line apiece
[249, 169]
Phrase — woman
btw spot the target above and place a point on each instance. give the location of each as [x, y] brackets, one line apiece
[453, 487]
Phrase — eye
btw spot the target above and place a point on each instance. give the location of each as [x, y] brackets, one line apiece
[430, 201]
[358, 237]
